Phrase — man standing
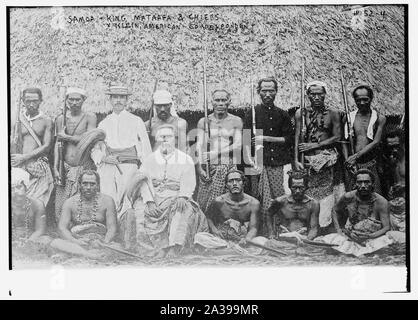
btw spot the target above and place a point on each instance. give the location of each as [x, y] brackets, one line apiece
[225, 141]
[87, 216]
[297, 212]
[394, 164]
[235, 214]
[37, 140]
[125, 146]
[77, 123]
[276, 140]
[367, 129]
[361, 218]
[323, 131]
[165, 219]
[166, 114]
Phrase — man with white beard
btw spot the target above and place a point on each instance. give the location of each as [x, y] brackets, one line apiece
[164, 218]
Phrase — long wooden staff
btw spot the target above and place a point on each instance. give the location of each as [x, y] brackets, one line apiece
[347, 112]
[151, 110]
[255, 244]
[205, 107]
[121, 251]
[17, 137]
[61, 150]
[302, 111]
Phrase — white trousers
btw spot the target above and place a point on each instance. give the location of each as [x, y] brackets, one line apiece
[114, 184]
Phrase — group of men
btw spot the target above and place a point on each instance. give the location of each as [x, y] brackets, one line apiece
[131, 183]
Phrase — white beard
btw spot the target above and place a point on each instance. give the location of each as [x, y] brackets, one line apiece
[166, 148]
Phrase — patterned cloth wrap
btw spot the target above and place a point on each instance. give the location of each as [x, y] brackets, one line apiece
[41, 182]
[233, 230]
[142, 232]
[38, 168]
[62, 193]
[326, 158]
[321, 180]
[397, 214]
[90, 231]
[208, 191]
[270, 186]
[368, 225]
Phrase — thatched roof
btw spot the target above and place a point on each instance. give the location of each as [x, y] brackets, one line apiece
[91, 55]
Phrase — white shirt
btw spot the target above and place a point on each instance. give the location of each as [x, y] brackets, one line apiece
[177, 166]
[123, 130]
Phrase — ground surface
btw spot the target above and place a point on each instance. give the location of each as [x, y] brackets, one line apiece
[22, 259]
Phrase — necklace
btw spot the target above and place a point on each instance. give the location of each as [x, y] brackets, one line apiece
[361, 216]
[26, 208]
[315, 126]
[81, 210]
[30, 119]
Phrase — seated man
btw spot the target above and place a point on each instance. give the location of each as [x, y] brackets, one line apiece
[361, 218]
[164, 218]
[235, 214]
[296, 213]
[233, 219]
[28, 215]
[88, 218]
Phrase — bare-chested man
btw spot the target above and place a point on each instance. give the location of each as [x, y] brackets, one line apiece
[323, 131]
[77, 123]
[367, 129]
[394, 159]
[37, 141]
[361, 219]
[235, 214]
[225, 139]
[297, 212]
[394, 169]
[163, 104]
[87, 217]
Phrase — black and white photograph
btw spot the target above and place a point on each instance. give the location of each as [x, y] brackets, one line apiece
[156, 137]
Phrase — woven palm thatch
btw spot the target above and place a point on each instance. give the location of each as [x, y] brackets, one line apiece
[48, 51]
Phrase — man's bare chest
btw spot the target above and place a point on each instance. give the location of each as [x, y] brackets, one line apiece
[361, 123]
[76, 125]
[38, 126]
[240, 213]
[296, 211]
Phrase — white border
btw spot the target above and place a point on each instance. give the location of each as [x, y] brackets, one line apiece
[206, 283]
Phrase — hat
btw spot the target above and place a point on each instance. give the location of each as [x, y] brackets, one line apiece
[317, 83]
[76, 90]
[18, 176]
[162, 97]
[118, 89]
